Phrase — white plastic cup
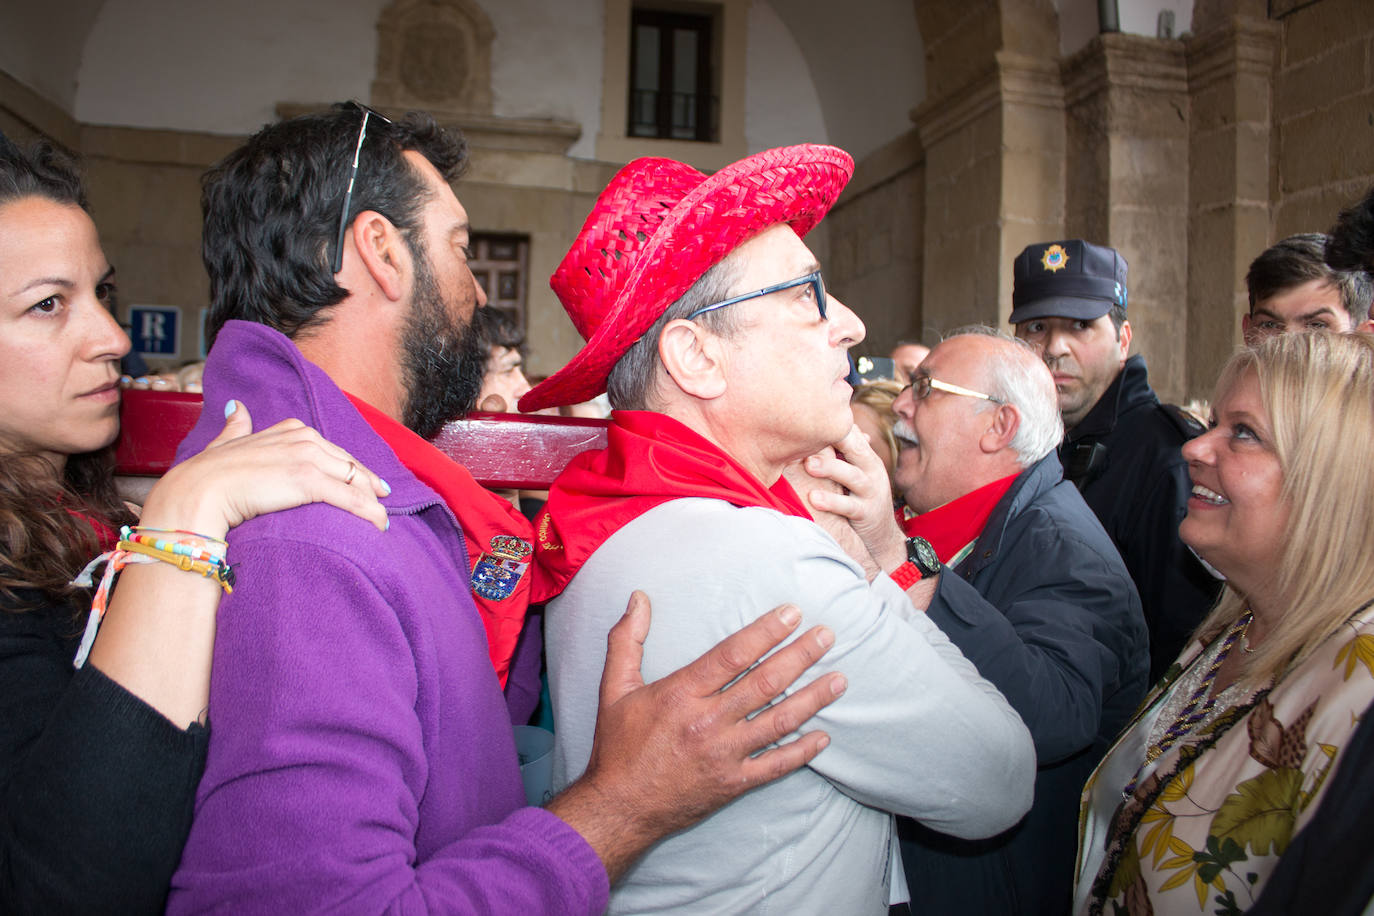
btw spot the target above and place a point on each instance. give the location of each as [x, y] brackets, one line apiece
[534, 745]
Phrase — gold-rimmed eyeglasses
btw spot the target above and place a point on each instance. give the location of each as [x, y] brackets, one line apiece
[921, 386]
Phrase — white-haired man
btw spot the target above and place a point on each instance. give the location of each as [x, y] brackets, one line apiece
[706, 317]
[1035, 594]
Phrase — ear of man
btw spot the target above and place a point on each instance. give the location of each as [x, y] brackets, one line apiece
[381, 252]
[693, 358]
[1003, 422]
[1125, 339]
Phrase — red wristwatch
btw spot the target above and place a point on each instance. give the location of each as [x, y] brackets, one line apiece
[921, 561]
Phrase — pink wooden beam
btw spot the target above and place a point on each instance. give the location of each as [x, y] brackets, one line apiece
[501, 450]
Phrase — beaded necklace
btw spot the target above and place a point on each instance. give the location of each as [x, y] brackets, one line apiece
[1199, 705]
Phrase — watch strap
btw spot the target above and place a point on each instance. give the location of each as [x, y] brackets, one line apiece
[906, 575]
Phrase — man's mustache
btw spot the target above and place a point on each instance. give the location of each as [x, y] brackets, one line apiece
[904, 433]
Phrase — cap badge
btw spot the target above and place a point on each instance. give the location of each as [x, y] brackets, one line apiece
[1054, 259]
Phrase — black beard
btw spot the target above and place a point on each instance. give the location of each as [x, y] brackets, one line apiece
[443, 360]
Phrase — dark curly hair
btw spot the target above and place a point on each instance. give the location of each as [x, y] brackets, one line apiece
[46, 535]
[495, 327]
[1351, 246]
[272, 209]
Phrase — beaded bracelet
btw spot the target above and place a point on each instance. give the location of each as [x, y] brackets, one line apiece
[189, 551]
[185, 550]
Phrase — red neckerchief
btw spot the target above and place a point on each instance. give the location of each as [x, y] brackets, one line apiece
[649, 459]
[497, 536]
[952, 527]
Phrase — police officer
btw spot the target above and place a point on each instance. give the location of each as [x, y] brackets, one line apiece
[1121, 445]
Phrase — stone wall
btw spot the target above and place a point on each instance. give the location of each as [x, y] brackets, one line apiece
[1323, 113]
[1127, 110]
[1188, 155]
[875, 246]
[1230, 77]
[993, 130]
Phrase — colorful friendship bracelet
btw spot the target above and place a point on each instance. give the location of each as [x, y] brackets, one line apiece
[141, 530]
[206, 555]
[216, 569]
[191, 552]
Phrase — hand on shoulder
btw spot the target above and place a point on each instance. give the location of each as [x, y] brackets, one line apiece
[243, 474]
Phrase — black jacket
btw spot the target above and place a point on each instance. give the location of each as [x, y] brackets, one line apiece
[1045, 609]
[1124, 457]
[96, 787]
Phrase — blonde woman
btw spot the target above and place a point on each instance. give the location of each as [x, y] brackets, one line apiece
[872, 407]
[1196, 804]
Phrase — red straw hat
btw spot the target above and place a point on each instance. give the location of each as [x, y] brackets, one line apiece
[653, 232]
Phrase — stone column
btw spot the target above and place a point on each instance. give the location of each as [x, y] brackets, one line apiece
[1127, 182]
[1033, 168]
[994, 183]
[961, 134]
[1230, 77]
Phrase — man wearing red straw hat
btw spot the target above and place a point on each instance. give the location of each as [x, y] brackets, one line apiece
[708, 323]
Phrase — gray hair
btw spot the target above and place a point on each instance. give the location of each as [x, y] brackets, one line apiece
[1016, 376]
[630, 386]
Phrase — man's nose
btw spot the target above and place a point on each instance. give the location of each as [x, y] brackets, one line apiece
[905, 405]
[846, 328]
[1056, 345]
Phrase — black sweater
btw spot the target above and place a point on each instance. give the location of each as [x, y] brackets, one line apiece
[96, 787]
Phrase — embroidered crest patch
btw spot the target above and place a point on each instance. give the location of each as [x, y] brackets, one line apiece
[498, 572]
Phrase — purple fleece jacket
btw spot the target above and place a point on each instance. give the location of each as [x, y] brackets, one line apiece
[361, 756]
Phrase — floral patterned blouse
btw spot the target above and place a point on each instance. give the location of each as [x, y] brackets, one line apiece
[1209, 819]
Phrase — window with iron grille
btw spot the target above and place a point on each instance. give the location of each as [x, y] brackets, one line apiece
[672, 95]
[501, 265]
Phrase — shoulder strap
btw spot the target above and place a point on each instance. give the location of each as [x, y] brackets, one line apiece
[1084, 462]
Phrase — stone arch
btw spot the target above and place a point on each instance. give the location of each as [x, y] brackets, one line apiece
[435, 55]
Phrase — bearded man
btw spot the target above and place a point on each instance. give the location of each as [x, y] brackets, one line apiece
[361, 755]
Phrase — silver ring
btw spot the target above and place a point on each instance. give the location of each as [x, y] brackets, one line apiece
[352, 472]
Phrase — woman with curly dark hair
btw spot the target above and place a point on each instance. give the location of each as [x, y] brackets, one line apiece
[103, 713]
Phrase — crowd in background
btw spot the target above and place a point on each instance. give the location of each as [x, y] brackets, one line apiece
[1143, 635]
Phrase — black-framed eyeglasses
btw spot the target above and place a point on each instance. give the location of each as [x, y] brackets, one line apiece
[922, 384]
[814, 278]
[352, 177]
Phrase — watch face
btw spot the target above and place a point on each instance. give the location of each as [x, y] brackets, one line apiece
[923, 555]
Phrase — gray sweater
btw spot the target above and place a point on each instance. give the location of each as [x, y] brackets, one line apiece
[917, 733]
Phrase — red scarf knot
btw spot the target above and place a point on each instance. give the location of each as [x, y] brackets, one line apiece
[649, 459]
